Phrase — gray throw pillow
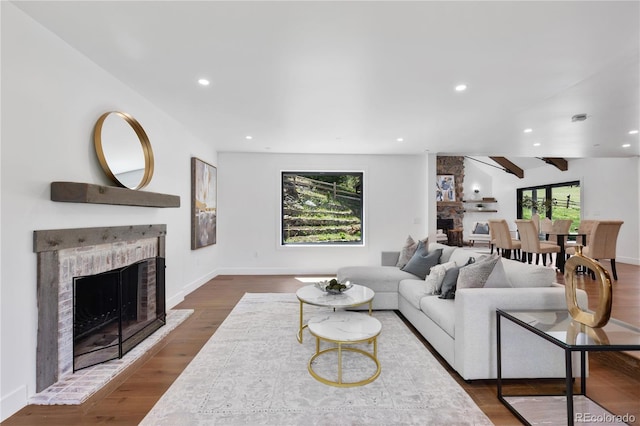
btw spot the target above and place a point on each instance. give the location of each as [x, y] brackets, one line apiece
[448, 289]
[474, 276]
[422, 261]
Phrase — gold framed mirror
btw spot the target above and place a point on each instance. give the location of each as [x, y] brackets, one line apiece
[123, 150]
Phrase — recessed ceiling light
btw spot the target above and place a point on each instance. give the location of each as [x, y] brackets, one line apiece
[461, 87]
[537, 144]
[528, 130]
[203, 82]
[400, 139]
[633, 132]
[248, 137]
[626, 145]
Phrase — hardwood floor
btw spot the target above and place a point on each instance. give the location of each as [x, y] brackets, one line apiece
[613, 382]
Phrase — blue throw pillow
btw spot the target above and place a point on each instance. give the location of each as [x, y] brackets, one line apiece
[422, 261]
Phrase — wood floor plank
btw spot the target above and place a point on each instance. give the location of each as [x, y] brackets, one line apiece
[131, 397]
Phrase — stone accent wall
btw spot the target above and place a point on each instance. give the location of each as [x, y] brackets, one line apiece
[452, 165]
[86, 261]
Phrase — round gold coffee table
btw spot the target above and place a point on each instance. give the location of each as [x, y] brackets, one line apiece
[310, 294]
[345, 328]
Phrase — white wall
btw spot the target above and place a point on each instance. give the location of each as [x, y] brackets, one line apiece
[51, 98]
[610, 190]
[395, 206]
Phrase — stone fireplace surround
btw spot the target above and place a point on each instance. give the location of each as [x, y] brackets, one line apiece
[64, 254]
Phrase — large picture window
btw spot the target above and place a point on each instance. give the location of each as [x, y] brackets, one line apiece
[322, 208]
[555, 201]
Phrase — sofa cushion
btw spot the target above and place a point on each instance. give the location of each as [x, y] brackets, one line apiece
[526, 275]
[498, 277]
[476, 275]
[446, 251]
[414, 290]
[440, 311]
[377, 278]
[462, 256]
[422, 261]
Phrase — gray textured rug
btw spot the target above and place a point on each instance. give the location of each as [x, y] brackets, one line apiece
[253, 371]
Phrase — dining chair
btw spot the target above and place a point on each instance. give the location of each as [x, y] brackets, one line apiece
[559, 227]
[530, 241]
[503, 241]
[602, 242]
[584, 228]
[546, 227]
[535, 218]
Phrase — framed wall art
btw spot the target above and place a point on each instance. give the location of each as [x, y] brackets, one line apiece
[204, 181]
[445, 188]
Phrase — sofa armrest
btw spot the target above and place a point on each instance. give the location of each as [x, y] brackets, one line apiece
[475, 329]
[389, 258]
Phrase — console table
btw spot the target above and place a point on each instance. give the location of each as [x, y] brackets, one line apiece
[557, 327]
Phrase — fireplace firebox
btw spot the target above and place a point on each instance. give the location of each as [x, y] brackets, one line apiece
[115, 310]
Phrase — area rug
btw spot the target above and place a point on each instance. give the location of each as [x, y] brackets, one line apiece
[253, 371]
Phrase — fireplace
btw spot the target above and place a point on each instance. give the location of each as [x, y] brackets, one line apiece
[115, 310]
[444, 224]
[68, 257]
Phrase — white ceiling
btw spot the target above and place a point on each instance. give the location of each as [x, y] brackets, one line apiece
[352, 77]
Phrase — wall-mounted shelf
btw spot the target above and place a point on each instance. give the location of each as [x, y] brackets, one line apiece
[476, 210]
[74, 192]
[479, 206]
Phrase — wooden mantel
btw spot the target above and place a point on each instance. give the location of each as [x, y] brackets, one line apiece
[73, 192]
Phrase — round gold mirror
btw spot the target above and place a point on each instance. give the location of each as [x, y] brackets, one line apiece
[123, 149]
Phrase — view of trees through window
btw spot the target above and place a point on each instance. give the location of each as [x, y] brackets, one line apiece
[555, 201]
[322, 208]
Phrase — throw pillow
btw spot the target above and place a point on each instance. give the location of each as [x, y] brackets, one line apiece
[408, 250]
[422, 261]
[448, 290]
[476, 275]
[436, 276]
[498, 277]
[481, 228]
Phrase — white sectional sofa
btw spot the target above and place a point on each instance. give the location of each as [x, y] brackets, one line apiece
[463, 329]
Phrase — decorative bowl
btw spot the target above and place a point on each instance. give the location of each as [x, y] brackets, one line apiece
[333, 286]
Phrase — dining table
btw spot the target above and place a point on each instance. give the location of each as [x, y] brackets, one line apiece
[561, 257]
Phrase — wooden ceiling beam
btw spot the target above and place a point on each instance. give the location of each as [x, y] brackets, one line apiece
[560, 163]
[509, 167]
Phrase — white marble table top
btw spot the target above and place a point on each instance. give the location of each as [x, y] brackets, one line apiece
[356, 295]
[344, 326]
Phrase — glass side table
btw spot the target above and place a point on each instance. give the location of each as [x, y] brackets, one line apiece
[557, 327]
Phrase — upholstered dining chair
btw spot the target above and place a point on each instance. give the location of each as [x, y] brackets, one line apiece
[559, 227]
[530, 240]
[602, 242]
[503, 241]
[584, 228]
[535, 218]
[546, 226]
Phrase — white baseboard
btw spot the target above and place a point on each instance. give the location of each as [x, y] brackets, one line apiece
[628, 260]
[188, 288]
[13, 402]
